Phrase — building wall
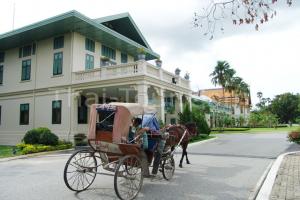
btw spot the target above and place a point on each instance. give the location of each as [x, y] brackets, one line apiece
[42, 64]
[43, 88]
[10, 128]
[79, 53]
[44, 60]
[43, 113]
[240, 109]
[12, 72]
[41, 75]
[40, 115]
[213, 93]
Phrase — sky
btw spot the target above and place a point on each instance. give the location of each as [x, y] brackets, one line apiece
[266, 59]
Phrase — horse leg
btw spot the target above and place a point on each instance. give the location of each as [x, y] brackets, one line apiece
[187, 159]
[182, 156]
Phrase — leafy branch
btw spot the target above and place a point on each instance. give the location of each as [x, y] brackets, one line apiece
[254, 12]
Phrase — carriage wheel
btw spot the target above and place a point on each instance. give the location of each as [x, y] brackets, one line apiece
[168, 167]
[128, 178]
[80, 170]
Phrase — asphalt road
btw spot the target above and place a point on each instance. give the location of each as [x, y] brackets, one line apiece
[227, 168]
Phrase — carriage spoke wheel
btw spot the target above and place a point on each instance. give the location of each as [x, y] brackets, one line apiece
[128, 177]
[168, 167]
[80, 170]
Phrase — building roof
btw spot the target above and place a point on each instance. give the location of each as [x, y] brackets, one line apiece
[124, 24]
[117, 31]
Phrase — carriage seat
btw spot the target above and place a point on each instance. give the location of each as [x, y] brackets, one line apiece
[128, 149]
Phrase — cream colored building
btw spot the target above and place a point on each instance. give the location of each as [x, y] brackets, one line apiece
[51, 71]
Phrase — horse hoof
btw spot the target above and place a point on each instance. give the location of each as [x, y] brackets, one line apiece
[180, 166]
[188, 162]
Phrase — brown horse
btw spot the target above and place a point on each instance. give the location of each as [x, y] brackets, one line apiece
[176, 133]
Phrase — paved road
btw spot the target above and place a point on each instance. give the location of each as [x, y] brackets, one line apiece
[227, 169]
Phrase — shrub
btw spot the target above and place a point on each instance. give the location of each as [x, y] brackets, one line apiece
[231, 129]
[48, 138]
[35, 148]
[32, 137]
[40, 135]
[201, 123]
[80, 139]
[194, 116]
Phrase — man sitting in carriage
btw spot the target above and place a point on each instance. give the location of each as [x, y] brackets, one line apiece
[152, 138]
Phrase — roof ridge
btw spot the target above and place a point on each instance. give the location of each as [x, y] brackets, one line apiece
[111, 17]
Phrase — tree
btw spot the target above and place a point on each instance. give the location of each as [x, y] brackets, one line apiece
[194, 116]
[286, 107]
[186, 115]
[259, 95]
[230, 86]
[243, 92]
[200, 106]
[219, 75]
[251, 12]
[262, 119]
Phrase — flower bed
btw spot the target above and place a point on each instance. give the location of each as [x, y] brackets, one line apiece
[35, 148]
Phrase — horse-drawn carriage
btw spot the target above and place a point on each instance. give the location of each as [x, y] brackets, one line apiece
[111, 149]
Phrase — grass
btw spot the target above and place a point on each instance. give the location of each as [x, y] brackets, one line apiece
[7, 151]
[201, 138]
[260, 130]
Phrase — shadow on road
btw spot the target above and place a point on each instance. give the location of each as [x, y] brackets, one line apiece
[232, 155]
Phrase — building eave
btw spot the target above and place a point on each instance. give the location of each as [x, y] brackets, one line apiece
[72, 21]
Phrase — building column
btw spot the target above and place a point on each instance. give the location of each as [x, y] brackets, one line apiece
[190, 101]
[74, 114]
[162, 104]
[180, 102]
[142, 90]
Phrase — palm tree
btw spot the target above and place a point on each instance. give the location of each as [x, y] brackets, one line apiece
[234, 87]
[219, 75]
[229, 76]
[244, 92]
[259, 95]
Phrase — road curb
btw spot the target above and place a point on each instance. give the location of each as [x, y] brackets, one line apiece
[33, 155]
[256, 189]
[66, 150]
[266, 188]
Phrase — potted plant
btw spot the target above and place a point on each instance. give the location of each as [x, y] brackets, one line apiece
[177, 71]
[158, 62]
[141, 54]
[105, 60]
[80, 139]
[187, 76]
[294, 136]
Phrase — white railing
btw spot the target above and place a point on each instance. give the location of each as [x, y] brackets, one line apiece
[129, 70]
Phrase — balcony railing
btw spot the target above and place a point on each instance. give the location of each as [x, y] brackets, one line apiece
[129, 70]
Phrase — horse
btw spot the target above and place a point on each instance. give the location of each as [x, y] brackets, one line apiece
[176, 132]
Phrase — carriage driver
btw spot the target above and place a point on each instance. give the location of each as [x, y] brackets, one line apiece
[135, 131]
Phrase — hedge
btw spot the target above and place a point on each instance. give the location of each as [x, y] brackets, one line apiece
[35, 148]
[231, 129]
[41, 135]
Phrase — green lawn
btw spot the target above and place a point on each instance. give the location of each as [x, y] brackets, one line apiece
[7, 151]
[201, 138]
[260, 130]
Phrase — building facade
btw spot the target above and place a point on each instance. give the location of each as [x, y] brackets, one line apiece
[228, 103]
[51, 71]
[217, 110]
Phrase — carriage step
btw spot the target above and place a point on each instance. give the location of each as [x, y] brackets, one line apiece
[107, 174]
[109, 169]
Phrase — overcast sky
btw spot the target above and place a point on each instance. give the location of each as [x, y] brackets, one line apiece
[267, 59]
